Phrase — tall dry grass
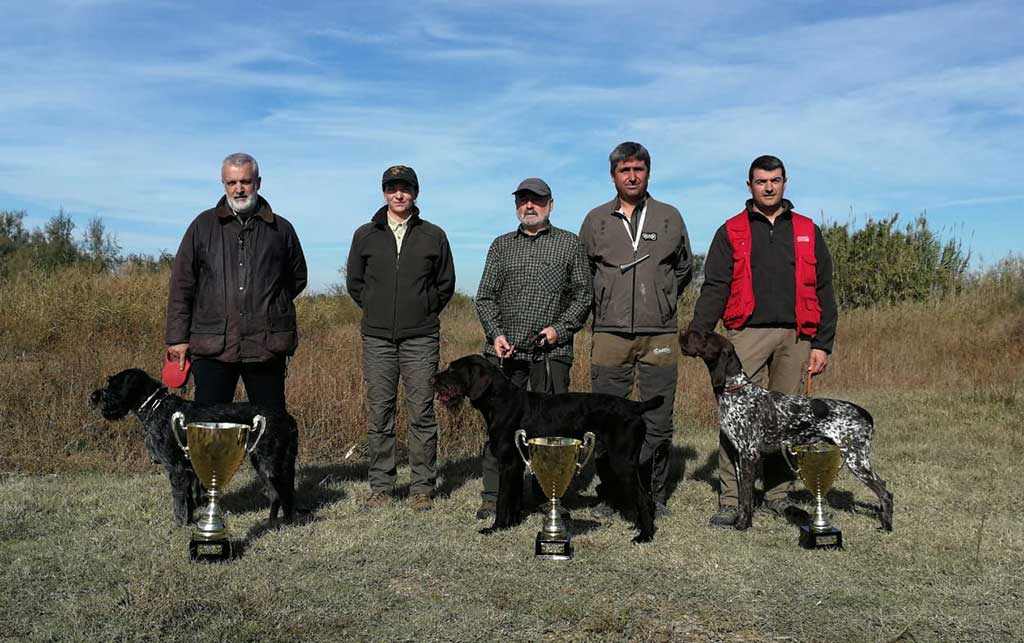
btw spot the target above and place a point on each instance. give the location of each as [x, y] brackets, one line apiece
[62, 333]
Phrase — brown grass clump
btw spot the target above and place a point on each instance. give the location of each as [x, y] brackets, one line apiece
[62, 333]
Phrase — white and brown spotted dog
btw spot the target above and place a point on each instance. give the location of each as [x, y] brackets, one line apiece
[757, 420]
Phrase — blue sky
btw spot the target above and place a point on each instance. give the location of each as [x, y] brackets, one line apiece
[125, 109]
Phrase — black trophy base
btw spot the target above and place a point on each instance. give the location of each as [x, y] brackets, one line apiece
[553, 548]
[209, 550]
[830, 538]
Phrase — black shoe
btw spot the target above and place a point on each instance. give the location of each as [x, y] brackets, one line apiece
[776, 508]
[486, 510]
[726, 516]
[661, 510]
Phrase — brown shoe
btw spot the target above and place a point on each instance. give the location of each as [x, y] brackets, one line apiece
[376, 500]
[421, 502]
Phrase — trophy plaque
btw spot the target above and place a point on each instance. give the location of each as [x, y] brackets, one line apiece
[817, 466]
[216, 450]
[554, 461]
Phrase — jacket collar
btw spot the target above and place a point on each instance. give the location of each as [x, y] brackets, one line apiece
[613, 206]
[263, 209]
[380, 218]
[785, 213]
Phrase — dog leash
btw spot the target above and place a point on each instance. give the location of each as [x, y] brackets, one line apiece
[810, 376]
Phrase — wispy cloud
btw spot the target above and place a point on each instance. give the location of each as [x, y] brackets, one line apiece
[124, 109]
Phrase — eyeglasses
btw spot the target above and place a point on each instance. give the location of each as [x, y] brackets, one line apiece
[536, 199]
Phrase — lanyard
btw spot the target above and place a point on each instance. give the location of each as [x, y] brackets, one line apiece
[639, 229]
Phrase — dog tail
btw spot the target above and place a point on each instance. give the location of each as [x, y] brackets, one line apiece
[650, 405]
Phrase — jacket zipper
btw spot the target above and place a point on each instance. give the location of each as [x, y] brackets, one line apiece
[394, 306]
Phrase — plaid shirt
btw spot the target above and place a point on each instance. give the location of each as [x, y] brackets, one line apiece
[531, 282]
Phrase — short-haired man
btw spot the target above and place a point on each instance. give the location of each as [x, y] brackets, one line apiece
[230, 302]
[640, 261]
[534, 295]
[768, 277]
[400, 272]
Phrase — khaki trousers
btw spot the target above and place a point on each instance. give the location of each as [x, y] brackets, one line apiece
[777, 360]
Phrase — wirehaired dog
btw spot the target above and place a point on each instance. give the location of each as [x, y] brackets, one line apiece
[616, 422]
[758, 421]
[133, 391]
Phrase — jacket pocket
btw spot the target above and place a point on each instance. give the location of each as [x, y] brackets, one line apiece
[282, 336]
[206, 337]
[810, 271]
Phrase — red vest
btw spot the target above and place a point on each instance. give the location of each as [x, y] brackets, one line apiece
[740, 306]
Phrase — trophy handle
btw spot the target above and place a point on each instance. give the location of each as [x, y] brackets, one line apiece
[589, 441]
[786, 450]
[258, 422]
[520, 440]
[178, 423]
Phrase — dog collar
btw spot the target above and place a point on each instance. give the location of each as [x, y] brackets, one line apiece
[150, 399]
[730, 389]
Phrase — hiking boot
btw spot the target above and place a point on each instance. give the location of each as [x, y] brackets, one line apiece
[376, 500]
[776, 508]
[726, 516]
[421, 502]
[487, 509]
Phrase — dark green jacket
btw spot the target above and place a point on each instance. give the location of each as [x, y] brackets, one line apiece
[403, 295]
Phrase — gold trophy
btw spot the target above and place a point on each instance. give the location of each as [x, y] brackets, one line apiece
[817, 466]
[554, 462]
[216, 450]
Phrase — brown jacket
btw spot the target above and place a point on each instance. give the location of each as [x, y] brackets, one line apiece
[233, 285]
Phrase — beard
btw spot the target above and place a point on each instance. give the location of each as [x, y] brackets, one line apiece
[536, 219]
[245, 206]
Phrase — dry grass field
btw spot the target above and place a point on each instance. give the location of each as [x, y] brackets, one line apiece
[88, 553]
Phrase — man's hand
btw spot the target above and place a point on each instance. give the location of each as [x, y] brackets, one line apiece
[817, 362]
[502, 347]
[550, 335]
[178, 352]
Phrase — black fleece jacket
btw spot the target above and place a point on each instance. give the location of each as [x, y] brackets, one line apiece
[402, 295]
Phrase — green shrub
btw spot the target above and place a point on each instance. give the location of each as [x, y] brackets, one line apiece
[881, 264]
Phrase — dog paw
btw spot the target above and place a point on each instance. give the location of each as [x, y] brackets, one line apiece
[642, 538]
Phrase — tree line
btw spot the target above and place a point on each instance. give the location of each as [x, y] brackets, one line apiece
[880, 263]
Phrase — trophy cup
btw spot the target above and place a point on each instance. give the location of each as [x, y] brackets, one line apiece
[554, 462]
[817, 466]
[216, 450]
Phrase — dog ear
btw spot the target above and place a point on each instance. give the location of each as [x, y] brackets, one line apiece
[481, 377]
[692, 342]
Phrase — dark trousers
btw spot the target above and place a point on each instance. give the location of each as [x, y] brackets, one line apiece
[264, 381]
[414, 361]
[523, 372]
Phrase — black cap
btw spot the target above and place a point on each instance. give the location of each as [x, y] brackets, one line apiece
[537, 186]
[400, 173]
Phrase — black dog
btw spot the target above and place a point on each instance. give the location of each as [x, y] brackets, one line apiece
[133, 391]
[615, 421]
[757, 421]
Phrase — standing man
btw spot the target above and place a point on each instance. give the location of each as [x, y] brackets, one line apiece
[400, 273]
[534, 295]
[231, 298]
[768, 277]
[640, 261]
